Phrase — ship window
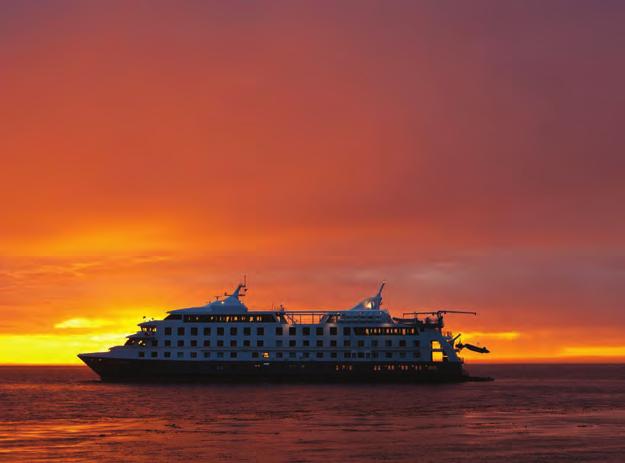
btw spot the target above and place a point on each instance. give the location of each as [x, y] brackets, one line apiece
[233, 331]
[260, 343]
[361, 355]
[320, 343]
[179, 354]
[388, 355]
[207, 355]
[279, 331]
[279, 343]
[154, 343]
[292, 355]
[279, 355]
[333, 343]
[180, 343]
[292, 331]
[167, 342]
[246, 343]
[254, 355]
[193, 355]
[167, 355]
[220, 355]
[173, 317]
[193, 343]
[346, 330]
[207, 331]
[319, 331]
[233, 343]
[181, 331]
[168, 331]
[247, 331]
[220, 331]
[333, 330]
[333, 355]
[194, 331]
[347, 355]
[402, 343]
[207, 343]
[374, 343]
[306, 343]
[220, 343]
[402, 355]
[417, 343]
[292, 343]
[306, 331]
[361, 344]
[306, 355]
[347, 343]
[374, 355]
[141, 354]
[319, 355]
[265, 355]
[260, 331]
[388, 343]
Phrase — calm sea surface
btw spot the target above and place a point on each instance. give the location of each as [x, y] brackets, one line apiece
[530, 413]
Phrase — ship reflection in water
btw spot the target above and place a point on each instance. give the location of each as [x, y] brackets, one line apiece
[531, 413]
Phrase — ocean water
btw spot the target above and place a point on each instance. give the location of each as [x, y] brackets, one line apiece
[531, 413]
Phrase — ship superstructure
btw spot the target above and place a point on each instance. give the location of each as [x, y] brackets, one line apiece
[223, 340]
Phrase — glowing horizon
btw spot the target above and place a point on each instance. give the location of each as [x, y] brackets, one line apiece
[470, 155]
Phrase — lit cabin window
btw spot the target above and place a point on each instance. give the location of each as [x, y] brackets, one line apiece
[265, 355]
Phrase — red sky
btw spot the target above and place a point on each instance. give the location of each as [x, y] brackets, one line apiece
[470, 153]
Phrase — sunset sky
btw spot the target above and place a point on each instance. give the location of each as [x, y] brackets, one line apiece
[471, 154]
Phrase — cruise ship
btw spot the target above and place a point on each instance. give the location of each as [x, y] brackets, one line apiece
[223, 340]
